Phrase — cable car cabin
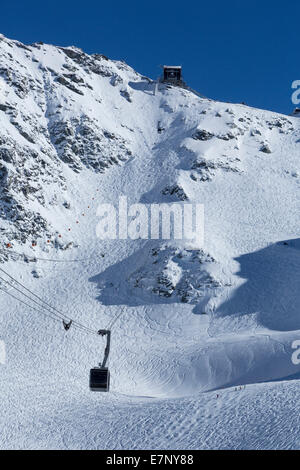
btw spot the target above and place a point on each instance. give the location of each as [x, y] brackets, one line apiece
[99, 379]
[99, 376]
[173, 74]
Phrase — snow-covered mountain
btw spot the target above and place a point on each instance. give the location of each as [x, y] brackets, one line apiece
[77, 130]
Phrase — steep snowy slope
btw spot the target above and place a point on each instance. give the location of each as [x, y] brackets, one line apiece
[79, 130]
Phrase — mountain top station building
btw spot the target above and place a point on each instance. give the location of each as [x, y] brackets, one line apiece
[172, 74]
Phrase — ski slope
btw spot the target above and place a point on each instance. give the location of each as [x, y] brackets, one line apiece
[207, 364]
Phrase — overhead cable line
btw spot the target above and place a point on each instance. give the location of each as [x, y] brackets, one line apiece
[114, 320]
[51, 313]
[27, 305]
[56, 312]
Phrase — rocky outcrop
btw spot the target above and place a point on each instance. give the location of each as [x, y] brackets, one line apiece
[46, 128]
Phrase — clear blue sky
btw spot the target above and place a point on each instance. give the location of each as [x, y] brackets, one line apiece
[230, 50]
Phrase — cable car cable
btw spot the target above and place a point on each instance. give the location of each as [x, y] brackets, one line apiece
[34, 308]
[27, 305]
[61, 318]
[99, 376]
[75, 322]
[57, 317]
[113, 321]
[28, 297]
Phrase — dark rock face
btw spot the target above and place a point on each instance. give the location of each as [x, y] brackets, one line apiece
[202, 134]
[172, 273]
[126, 95]
[48, 129]
[63, 81]
[81, 142]
[205, 170]
[227, 136]
[265, 148]
[23, 175]
[283, 124]
[175, 190]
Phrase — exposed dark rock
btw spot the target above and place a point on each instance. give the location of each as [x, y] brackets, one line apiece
[227, 136]
[202, 134]
[6, 107]
[176, 275]
[126, 95]
[62, 80]
[265, 148]
[175, 190]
